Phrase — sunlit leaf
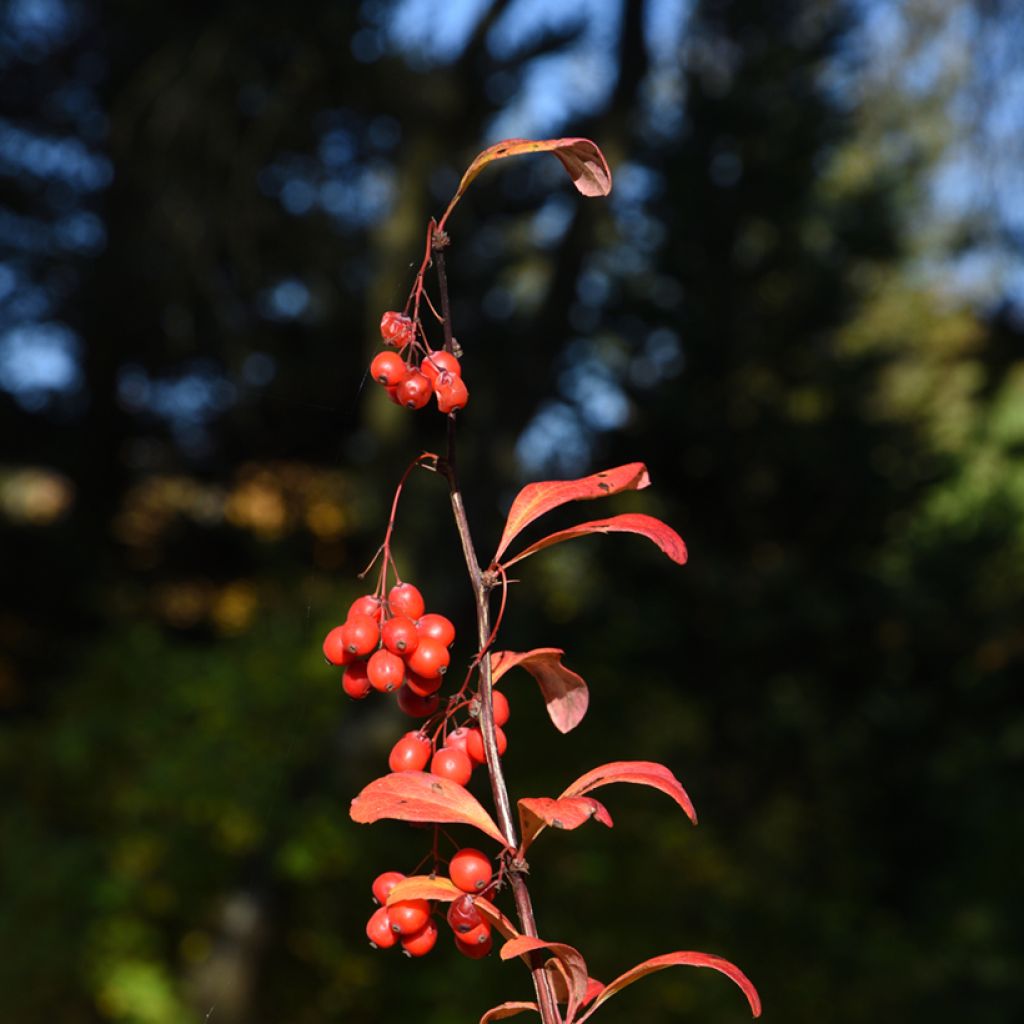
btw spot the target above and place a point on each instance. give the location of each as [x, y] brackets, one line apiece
[629, 522]
[426, 887]
[683, 959]
[565, 693]
[420, 796]
[504, 1010]
[640, 773]
[537, 498]
[565, 813]
[582, 159]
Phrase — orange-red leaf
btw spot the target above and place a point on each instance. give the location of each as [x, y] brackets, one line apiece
[566, 813]
[504, 1010]
[420, 796]
[683, 959]
[571, 959]
[641, 773]
[425, 887]
[536, 499]
[565, 693]
[629, 522]
[582, 159]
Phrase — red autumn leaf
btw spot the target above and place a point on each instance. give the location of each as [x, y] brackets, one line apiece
[566, 813]
[641, 773]
[565, 693]
[582, 159]
[536, 499]
[425, 887]
[420, 796]
[571, 960]
[594, 989]
[504, 1010]
[629, 522]
[659, 963]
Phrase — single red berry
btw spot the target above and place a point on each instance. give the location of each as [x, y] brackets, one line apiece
[454, 764]
[360, 635]
[396, 329]
[384, 883]
[355, 681]
[437, 627]
[435, 363]
[378, 929]
[334, 647]
[422, 942]
[500, 707]
[420, 685]
[416, 705]
[452, 393]
[470, 870]
[475, 743]
[399, 635]
[393, 395]
[408, 916]
[405, 599]
[430, 659]
[477, 950]
[411, 753]
[477, 936]
[385, 670]
[389, 369]
[457, 738]
[369, 605]
[462, 915]
[414, 391]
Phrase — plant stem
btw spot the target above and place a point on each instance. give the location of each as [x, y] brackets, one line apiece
[481, 593]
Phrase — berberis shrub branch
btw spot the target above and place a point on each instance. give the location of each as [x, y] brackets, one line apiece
[391, 643]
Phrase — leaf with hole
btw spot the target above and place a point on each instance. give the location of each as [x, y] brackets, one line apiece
[640, 773]
[564, 691]
[567, 813]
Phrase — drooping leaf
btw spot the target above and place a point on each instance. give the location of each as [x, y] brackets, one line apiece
[641, 773]
[420, 796]
[682, 959]
[425, 887]
[629, 522]
[504, 1010]
[570, 958]
[566, 813]
[536, 499]
[582, 159]
[594, 989]
[565, 693]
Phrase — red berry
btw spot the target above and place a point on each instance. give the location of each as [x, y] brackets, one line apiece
[410, 754]
[457, 738]
[477, 950]
[393, 395]
[421, 686]
[334, 647]
[355, 681]
[462, 915]
[475, 743]
[452, 393]
[415, 705]
[478, 936]
[408, 916]
[360, 635]
[399, 635]
[470, 870]
[454, 764]
[405, 599]
[414, 391]
[378, 929]
[430, 659]
[499, 705]
[389, 369]
[422, 942]
[384, 883]
[436, 363]
[437, 627]
[369, 605]
[385, 670]
[396, 329]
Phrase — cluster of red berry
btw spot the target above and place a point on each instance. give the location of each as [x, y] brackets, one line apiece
[461, 751]
[393, 644]
[411, 380]
[410, 922]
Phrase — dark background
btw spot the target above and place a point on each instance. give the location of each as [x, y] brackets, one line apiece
[801, 306]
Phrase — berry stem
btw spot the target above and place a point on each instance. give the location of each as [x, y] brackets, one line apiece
[481, 593]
